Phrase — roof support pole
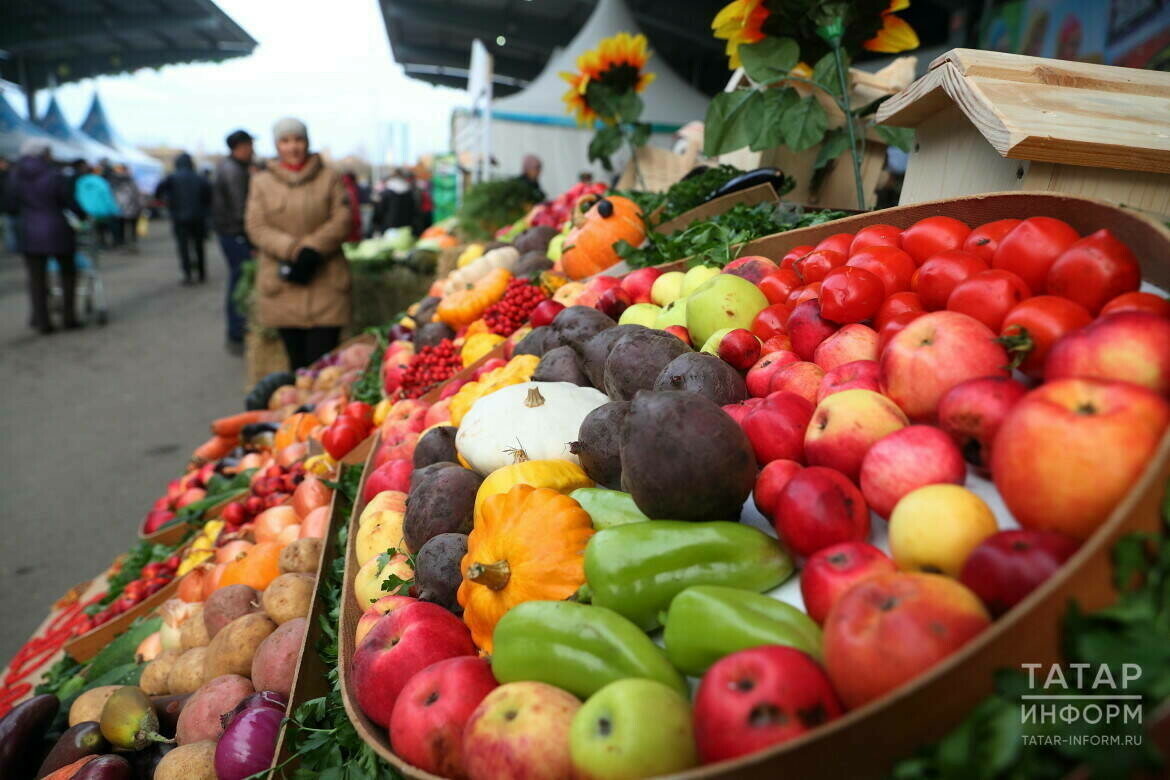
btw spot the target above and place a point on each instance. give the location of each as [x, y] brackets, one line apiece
[30, 94]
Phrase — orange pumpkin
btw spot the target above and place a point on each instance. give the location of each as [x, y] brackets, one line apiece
[256, 568]
[295, 428]
[589, 248]
[464, 307]
[232, 550]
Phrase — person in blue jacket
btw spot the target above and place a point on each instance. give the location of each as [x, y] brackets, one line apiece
[93, 193]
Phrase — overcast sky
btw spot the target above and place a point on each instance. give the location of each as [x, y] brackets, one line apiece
[327, 63]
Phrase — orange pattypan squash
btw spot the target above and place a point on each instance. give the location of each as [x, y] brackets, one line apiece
[256, 568]
[528, 544]
[464, 307]
[295, 428]
[589, 248]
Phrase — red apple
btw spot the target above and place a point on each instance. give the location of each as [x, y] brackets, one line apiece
[520, 731]
[739, 348]
[1009, 565]
[156, 519]
[738, 411]
[751, 267]
[933, 354]
[486, 367]
[404, 417]
[820, 507]
[162, 502]
[451, 388]
[426, 727]
[777, 343]
[400, 450]
[853, 342]
[440, 412]
[376, 611]
[776, 427]
[613, 301]
[190, 496]
[906, 460]
[400, 645]
[808, 329]
[1129, 346]
[545, 311]
[391, 475]
[759, 377]
[593, 289]
[830, 572]
[893, 326]
[637, 284]
[1071, 449]
[888, 629]
[681, 333]
[846, 425]
[801, 378]
[770, 484]
[755, 698]
[857, 375]
[973, 411]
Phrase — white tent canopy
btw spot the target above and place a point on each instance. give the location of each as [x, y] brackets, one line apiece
[146, 170]
[55, 124]
[15, 130]
[534, 121]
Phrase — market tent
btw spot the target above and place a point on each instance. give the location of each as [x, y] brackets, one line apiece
[146, 170]
[53, 121]
[533, 120]
[15, 130]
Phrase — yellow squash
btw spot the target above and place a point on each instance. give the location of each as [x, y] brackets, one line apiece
[559, 475]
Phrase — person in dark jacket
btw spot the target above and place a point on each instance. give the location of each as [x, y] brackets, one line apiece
[39, 194]
[229, 195]
[397, 204]
[188, 199]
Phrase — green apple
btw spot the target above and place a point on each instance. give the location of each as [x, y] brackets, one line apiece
[632, 728]
[645, 314]
[724, 301]
[667, 288]
[555, 247]
[673, 313]
[694, 279]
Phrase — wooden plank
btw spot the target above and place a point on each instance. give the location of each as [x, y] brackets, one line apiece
[1049, 72]
[1142, 190]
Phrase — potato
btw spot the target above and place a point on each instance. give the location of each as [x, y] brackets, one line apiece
[88, 706]
[275, 663]
[154, 675]
[186, 676]
[289, 596]
[193, 632]
[301, 556]
[226, 604]
[188, 762]
[232, 649]
[201, 715]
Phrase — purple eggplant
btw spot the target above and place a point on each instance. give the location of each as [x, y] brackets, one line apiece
[21, 732]
[248, 743]
[108, 767]
[84, 739]
[168, 708]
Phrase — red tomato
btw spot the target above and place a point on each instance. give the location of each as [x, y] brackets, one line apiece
[794, 254]
[989, 296]
[838, 242]
[942, 273]
[802, 294]
[932, 235]
[985, 238]
[1032, 327]
[816, 264]
[894, 326]
[342, 436]
[778, 284]
[888, 263]
[876, 235]
[850, 294]
[898, 303]
[359, 410]
[1031, 249]
[770, 321]
[1095, 270]
[1138, 301]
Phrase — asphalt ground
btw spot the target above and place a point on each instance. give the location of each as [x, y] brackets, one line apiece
[94, 422]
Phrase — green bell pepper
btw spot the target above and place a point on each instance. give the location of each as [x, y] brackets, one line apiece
[636, 569]
[706, 623]
[608, 508]
[577, 647]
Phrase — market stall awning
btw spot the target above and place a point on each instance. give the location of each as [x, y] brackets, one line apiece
[146, 170]
[15, 130]
[57, 41]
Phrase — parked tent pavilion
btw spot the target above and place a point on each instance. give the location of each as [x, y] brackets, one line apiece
[15, 130]
[146, 170]
[54, 123]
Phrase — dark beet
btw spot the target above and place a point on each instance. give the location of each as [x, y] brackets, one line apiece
[431, 334]
[560, 365]
[441, 500]
[577, 324]
[437, 573]
[436, 446]
[534, 239]
[598, 444]
[536, 342]
[596, 350]
[707, 375]
[530, 264]
[637, 359]
[426, 310]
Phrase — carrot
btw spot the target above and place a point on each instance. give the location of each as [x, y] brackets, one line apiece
[233, 424]
[214, 448]
[67, 771]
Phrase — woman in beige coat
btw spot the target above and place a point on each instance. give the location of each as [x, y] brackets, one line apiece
[297, 215]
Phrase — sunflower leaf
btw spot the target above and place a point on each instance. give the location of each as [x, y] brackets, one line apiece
[834, 143]
[639, 133]
[731, 121]
[607, 141]
[825, 74]
[803, 124]
[770, 59]
[769, 127]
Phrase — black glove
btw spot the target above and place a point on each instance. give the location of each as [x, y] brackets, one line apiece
[303, 267]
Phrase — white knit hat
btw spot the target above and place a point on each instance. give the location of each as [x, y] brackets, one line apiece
[290, 126]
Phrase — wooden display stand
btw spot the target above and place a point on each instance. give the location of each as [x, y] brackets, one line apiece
[989, 121]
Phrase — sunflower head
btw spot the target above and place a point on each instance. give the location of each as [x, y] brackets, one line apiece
[740, 22]
[895, 34]
[615, 64]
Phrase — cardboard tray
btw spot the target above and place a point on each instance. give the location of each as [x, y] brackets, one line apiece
[866, 742]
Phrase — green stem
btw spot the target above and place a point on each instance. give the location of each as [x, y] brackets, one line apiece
[629, 134]
[850, 129]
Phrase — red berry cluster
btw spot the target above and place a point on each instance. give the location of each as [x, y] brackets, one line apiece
[505, 316]
[428, 367]
[154, 577]
[272, 488]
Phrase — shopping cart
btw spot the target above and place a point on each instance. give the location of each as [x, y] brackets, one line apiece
[91, 293]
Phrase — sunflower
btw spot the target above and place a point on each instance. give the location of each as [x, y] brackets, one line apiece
[616, 64]
[895, 35]
[737, 23]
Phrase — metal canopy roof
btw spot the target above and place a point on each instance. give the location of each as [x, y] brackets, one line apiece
[46, 41]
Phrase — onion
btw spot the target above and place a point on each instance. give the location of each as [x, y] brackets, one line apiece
[149, 648]
[272, 699]
[174, 613]
[248, 743]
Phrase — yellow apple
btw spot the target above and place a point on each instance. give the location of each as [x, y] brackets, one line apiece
[694, 279]
[667, 288]
[378, 534]
[367, 583]
[644, 314]
[394, 500]
[934, 528]
[845, 425]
